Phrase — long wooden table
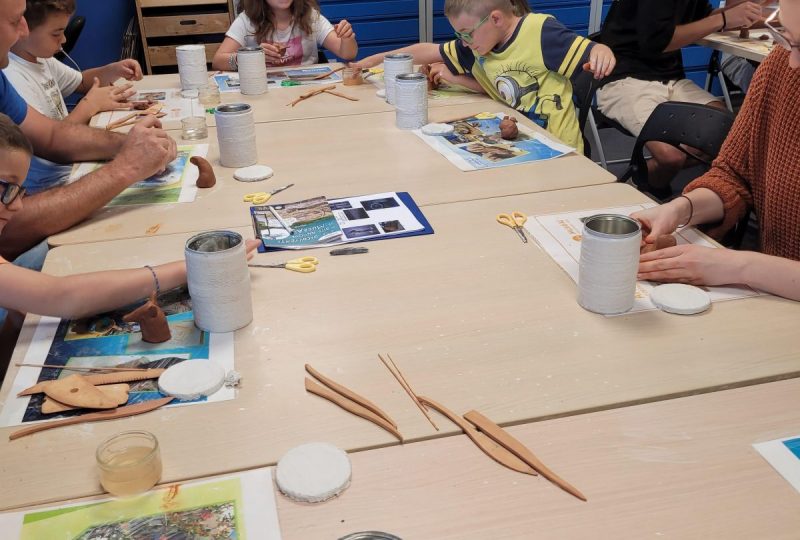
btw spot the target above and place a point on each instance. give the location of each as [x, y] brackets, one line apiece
[475, 319]
[272, 105]
[339, 157]
[683, 468]
[750, 48]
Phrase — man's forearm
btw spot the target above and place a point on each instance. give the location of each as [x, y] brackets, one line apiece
[686, 34]
[75, 142]
[55, 210]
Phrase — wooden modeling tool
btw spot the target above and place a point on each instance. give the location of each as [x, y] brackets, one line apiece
[351, 406]
[312, 93]
[82, 368]
[111, 414]
[338, 94]
[327, 74]
[132, 118]
[503, 438]
[500, 454]
[118, 393]
[406, 387]
[77, 392]
[100, 379]
[349, 394]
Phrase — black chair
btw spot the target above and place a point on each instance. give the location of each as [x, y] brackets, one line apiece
[584, 87]
[321, 57]
[72, 32]
[679, 124]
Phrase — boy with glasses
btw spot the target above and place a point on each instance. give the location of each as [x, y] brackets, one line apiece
[526, 60]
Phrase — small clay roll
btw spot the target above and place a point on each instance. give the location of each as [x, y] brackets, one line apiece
[508, 128]
[662, 242]
[206, 178]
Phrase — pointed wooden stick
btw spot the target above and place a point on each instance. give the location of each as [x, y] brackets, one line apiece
[311, 93]
[82, 368]
[499, 453]
[338, 94]
[504, 438]
[407, 388]
[327, 74]
[351, 406]
[346, 392]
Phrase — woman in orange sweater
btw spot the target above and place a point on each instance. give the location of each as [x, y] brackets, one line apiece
[758, 168]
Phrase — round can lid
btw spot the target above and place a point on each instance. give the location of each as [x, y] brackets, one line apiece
[370, 535]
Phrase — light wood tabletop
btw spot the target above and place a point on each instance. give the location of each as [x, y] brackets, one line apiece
[349, 156]
[683, 468]
[751, 48]
[272, 106]
[474, 318]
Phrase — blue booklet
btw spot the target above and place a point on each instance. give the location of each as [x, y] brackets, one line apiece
[319, 222]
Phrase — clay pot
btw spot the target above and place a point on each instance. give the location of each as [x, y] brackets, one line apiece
[206, 178]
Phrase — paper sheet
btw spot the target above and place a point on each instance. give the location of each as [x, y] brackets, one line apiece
[229, 81]
[560, 236]
[476, 144]
[784, 456]
[105, 340]
[175, 106]
[240, 506]
[177, 184]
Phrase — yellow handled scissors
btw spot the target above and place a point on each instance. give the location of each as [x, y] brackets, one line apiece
[515, 220]
[260, 197]
[302, 264]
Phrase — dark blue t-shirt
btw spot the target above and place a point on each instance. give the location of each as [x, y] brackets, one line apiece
[11, 103]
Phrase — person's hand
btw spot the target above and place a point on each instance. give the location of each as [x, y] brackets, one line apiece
[692, 264]
[273, 53]
[147, 150]
[344, 30]
[251, 247]
[127, 69]
[660, 220]
[439, 73]
[743, 15]
[601, 61]
[109, 98]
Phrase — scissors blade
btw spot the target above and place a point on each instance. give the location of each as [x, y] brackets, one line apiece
[275, 192]
[521, 234]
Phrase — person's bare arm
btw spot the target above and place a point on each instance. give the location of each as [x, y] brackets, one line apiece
[67, 142]
[342, 41]
[227, 48]
[423, 53]
[146, 152]
[741, 16]
[439, 72]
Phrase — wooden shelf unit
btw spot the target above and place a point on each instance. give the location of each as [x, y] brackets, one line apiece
[166, 24]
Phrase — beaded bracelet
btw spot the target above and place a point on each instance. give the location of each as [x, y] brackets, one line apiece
[233, 62]
[691, 210]
[724, 21]
[155, 279]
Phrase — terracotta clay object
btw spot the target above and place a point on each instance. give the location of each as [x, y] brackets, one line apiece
[206, 177]
[115, 392]
[488, 446]
[744, 33]
[764, 37]
[662, 242]
[508, 128]
[351, 406]
[503, 438]
[119, 412]
[152, 321]
[76, 392]
[346, 392]
[101, 379]
[141, 105]
[426, 69]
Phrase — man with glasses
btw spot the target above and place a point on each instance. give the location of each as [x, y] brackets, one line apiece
[647, 37]
[757, 169]
[146, 150]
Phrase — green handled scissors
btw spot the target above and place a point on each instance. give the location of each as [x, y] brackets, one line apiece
[515, 220]
[303, 264]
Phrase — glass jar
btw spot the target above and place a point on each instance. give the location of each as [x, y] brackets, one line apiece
[208, 96]
[193, 128]
[129, 463]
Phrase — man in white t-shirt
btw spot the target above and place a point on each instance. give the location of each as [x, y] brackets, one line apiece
[287, 44]
[43, 81]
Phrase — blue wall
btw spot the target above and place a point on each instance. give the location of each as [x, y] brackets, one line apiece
[101, 40]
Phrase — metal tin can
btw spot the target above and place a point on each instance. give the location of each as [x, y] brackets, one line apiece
[394, 65]
[236, 135]
[219, 281]
[252, 71]
[609, 262]
[411, 100]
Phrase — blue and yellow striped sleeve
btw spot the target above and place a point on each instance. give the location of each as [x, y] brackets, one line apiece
[563, 50]
[458, 58]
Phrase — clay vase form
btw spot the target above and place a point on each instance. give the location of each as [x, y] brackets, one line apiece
[152, 321]
[206, 177]
[508, 128]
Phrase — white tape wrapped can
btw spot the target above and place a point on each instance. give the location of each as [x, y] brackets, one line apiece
[236, 135]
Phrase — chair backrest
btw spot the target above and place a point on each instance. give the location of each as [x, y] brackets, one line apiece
[584, 87]
[73, 31]
[677, 123]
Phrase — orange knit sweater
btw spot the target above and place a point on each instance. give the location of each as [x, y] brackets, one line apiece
[759, 164]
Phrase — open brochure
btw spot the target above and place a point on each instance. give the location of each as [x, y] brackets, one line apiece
[321, 222]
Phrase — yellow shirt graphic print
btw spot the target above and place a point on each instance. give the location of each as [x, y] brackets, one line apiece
[530, 73]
